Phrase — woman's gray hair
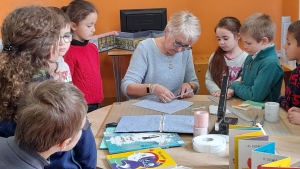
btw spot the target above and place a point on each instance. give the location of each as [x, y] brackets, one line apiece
[184, 23]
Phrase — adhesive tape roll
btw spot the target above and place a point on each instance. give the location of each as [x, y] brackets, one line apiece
[201, 119]
[224, 136]
[200, 131]
[209, 143]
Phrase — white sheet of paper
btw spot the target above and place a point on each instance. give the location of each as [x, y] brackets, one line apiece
[171, 107]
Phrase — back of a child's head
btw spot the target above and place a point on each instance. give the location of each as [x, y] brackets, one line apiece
[294, 29]
[28, 35]
[259, 25]
[49, 113]
[78, 10]
[230, 23]
[62, 15]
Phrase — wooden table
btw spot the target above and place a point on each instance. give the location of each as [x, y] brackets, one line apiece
[116, 56]
[186, 156]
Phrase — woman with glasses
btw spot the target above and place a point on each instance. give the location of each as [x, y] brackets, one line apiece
[163, 67]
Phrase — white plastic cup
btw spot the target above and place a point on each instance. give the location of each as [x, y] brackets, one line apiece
[271, 111]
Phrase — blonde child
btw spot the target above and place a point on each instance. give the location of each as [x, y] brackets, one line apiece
[228, 59]
[83, 57]
[262, 74]
[50, 117]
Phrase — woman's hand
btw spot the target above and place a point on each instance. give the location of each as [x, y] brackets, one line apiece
[216, 94]
[185, 87]
[163, 94]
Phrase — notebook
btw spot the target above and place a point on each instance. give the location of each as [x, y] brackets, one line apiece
[156, 123]
[143, 159]
[124, 142]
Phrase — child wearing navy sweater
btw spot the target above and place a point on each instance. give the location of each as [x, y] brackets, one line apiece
[51, 117]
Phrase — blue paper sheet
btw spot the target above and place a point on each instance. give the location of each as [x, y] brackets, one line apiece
[154, 123]
[171, 107]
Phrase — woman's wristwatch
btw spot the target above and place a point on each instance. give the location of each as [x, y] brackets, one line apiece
[148, 89]
[191, 86]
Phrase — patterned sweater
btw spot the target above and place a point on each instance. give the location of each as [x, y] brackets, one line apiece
[292, 91]
[235, 68]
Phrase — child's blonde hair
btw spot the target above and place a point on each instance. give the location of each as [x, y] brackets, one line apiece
[259, 25]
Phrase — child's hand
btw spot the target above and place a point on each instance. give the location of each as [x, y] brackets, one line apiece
[294, 117]
[238, 79]
[294, 109]
[114, 33]
[217, 93]
[230, 93]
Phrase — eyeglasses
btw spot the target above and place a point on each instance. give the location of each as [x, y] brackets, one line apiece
[179, 44]
[67, 37]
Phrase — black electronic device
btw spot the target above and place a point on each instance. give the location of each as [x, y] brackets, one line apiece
[222, 123]
[136, 20]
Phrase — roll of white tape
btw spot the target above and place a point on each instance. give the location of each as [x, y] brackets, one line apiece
[271, 111]
[200, 131]
[222, 135]
[209, 143]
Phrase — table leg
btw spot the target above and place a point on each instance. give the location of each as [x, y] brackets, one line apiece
[117, 68]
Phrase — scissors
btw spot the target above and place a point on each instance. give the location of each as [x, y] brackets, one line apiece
[259, 124]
